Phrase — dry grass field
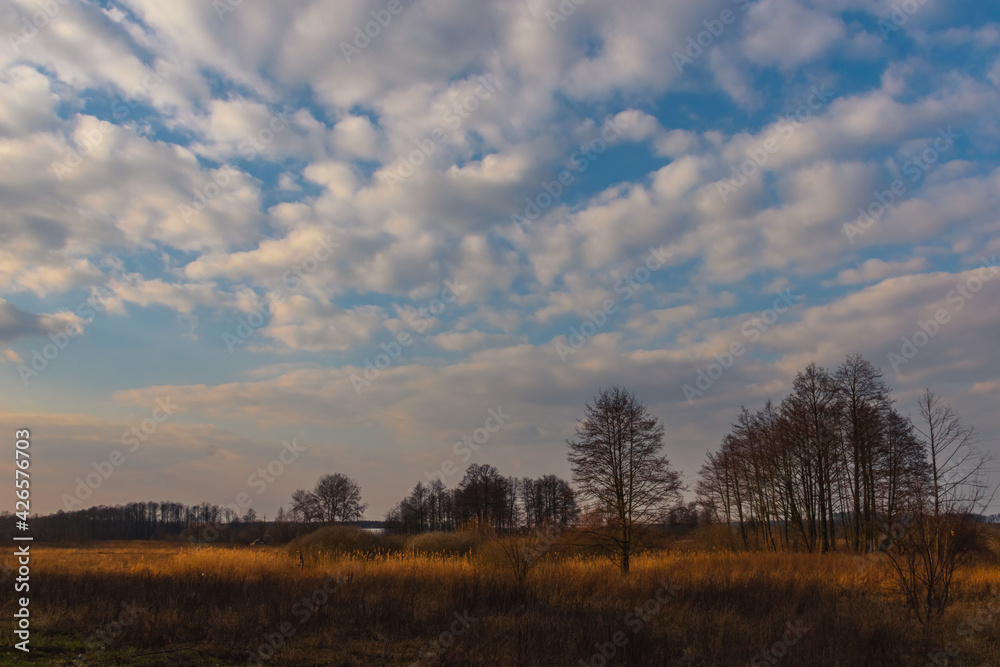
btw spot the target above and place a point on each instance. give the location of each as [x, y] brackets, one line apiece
[152, 603]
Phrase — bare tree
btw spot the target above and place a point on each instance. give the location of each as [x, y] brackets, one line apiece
[902, 469]
[865, 404]
[943, 531]
[957, 482]
[810, 426]
[483, 497]
[305, 506]
[336, 497]
[547, 500]
[713, 489]
[834, 447]
[926, 557]
[617, 464]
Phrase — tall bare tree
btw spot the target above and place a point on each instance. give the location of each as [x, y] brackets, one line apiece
[810, 417]
[943, 531]
[957, 482]
[865, 404]
[902, 470]
[617, 463]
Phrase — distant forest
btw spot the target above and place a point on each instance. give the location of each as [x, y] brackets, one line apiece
[483, 496]
[154, 521]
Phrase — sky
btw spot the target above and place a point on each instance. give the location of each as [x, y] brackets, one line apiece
[243, 245]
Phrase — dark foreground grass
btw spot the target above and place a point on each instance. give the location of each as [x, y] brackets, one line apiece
[167, 605]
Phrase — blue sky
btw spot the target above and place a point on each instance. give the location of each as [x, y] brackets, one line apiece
[239, 209]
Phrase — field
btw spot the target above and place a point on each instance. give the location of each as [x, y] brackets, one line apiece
[153, 603]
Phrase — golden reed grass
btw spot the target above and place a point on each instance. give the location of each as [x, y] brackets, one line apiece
[226, 605]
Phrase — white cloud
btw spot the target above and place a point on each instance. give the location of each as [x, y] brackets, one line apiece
[785, 33]
[876, 269]
[301, 323]
[204, 201]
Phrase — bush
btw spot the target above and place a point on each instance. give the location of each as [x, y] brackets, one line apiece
[338, 540]
[462, 543]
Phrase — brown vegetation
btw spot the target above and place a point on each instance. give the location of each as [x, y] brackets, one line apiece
[391, 602]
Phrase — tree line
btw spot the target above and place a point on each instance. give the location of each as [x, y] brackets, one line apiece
[487, 499]
[133, 521]
[832, 465]
[835, 462]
